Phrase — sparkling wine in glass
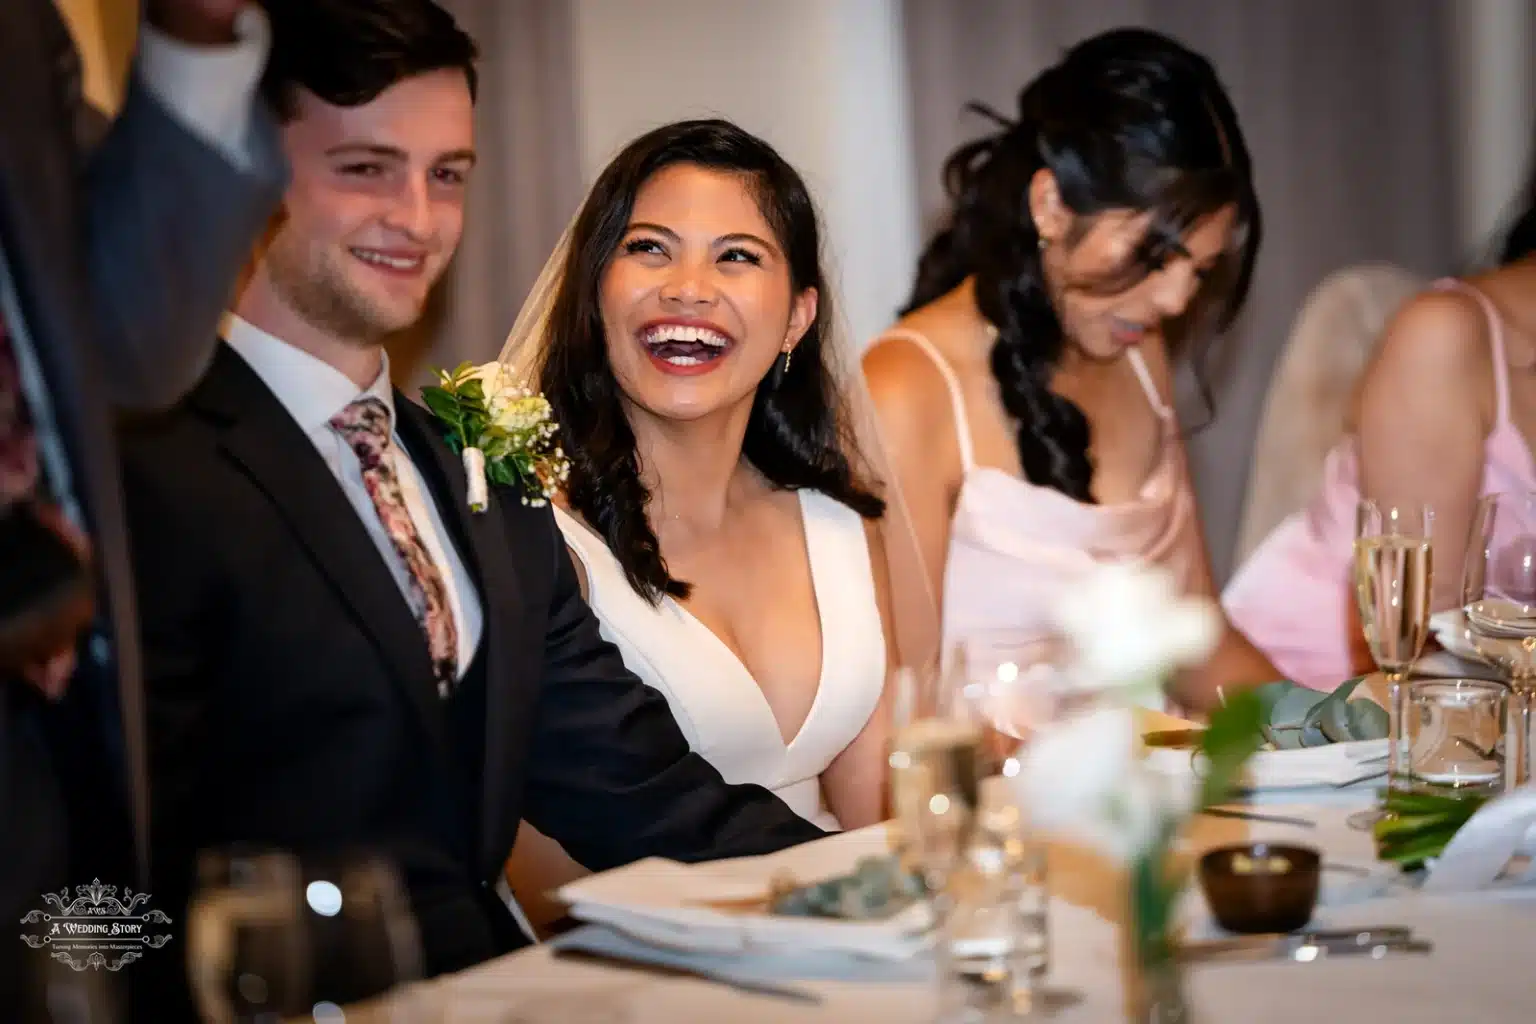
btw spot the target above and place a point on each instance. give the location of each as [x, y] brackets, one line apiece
[1394, 575]
[1498, 595]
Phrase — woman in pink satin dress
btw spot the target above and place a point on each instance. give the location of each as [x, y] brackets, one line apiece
[1443, 415]
[1025, 393]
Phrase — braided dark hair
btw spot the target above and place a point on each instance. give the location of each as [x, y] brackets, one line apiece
[1128, 120]
[797, 433]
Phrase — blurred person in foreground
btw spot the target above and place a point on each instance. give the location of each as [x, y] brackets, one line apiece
[115, 260]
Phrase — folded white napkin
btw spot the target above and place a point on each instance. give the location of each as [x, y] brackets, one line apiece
[793, 964]
[700, 907]
[1331, 765]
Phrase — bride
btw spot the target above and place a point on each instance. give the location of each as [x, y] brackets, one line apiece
[724, 520]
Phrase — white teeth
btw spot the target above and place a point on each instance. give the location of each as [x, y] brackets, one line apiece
[381, 260]
[680, 332]
[683, 360]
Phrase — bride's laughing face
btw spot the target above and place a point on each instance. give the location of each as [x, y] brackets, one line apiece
[697, 301]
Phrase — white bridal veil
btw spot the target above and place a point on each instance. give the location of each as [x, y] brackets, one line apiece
[914, 622]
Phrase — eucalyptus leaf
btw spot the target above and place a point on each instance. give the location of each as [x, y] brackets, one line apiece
[1347, 721]
[1269, 695]
[1288, 738]
[1312, 735]
[1293, 707]
[1340, 720]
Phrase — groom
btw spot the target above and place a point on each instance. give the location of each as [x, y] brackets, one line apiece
[337, 652]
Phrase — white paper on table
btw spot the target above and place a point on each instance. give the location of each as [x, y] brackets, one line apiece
[1479, 852]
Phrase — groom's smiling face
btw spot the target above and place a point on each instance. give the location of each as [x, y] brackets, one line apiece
[376, 204]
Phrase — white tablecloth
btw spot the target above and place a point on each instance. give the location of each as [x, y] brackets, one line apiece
[1480, 971]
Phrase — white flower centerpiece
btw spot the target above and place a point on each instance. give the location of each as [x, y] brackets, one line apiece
[1084, 776]
[504, 432]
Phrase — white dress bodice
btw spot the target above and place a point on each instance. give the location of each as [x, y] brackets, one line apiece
[715, 700]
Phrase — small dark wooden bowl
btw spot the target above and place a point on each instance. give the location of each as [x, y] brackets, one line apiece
[1254, 888]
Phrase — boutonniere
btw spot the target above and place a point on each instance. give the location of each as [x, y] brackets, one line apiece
[503, 431]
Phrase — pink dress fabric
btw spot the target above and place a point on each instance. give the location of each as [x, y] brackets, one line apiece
[1014, 547]
[1292, 596]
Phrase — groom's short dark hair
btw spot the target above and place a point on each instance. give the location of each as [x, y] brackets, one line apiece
[347, 52]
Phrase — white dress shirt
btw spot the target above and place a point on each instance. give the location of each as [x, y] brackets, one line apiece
[209, 89]
[313, 392]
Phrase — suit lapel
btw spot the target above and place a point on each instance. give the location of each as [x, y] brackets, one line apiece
[276, 454]
[482, 538]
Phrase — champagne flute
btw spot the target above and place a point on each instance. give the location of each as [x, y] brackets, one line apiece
[1393, 578]
[1498, 596]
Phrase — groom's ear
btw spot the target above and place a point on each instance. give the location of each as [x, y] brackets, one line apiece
[801, 315]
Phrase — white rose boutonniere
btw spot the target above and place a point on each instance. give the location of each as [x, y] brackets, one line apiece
[504, 432]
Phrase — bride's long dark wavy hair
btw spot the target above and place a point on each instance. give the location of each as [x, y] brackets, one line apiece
[797, 435]
[1129, 119]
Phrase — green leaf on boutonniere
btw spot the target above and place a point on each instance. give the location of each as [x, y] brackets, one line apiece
[442, 405]
[1234, 734]
[472, 394]
[499, 472]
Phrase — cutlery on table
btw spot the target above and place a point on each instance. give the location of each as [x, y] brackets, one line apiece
[675, 970]
[1306, 947]
[1240, 815]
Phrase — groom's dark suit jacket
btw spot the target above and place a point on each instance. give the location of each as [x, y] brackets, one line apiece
[291, 702]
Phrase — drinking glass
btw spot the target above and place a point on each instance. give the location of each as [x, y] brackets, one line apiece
[1498, 595]
[362, 936]
[273, 936]
[1453, 732]
[960, 827]
[1393, 577]
[247, 954]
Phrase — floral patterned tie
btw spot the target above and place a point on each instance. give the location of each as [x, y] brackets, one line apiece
[364, 425]
[18, 440]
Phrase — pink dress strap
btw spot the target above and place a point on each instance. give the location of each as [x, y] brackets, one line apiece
[951, 383]
[1148, 385]
[1496, 346]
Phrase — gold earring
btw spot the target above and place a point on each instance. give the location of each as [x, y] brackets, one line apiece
[1042, 243]
[787, 353]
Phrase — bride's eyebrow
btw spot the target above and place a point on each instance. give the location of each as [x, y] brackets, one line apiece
[673, 236]
[747, 236]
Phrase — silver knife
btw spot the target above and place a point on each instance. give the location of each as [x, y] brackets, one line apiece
[1305, 947]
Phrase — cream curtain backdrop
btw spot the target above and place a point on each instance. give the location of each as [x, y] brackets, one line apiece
[526, 186]
[1346, 106]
